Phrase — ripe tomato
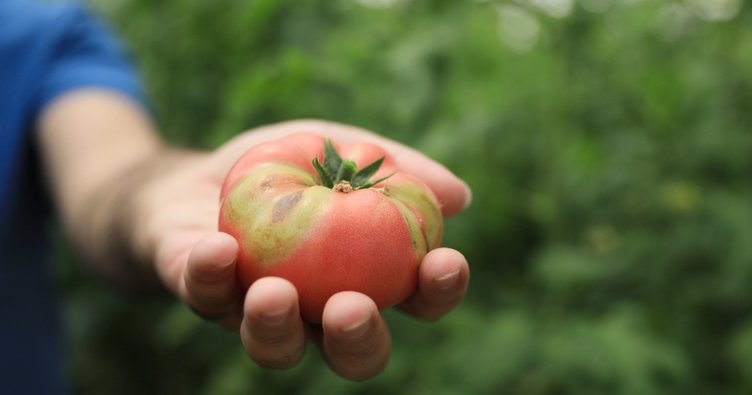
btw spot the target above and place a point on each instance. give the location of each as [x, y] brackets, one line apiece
[301, 212]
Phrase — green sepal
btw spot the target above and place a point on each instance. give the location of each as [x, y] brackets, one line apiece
[362, 176]
[372, 183]
[326, 179]
[346, 171]
[334, 170]
[332, 160]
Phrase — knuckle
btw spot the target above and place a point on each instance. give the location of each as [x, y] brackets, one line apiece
[362, 372]
[277, 338]
[280, 361]
[213, 311]
[271, 340]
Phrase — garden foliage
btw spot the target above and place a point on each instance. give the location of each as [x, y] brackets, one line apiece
[607, 143]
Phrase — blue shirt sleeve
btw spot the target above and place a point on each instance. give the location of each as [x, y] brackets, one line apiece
[45, 51]
[88, 55]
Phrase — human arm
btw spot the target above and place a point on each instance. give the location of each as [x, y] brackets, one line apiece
[143, 212]
[97, 145]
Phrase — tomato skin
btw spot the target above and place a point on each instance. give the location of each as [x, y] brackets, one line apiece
[322, 240]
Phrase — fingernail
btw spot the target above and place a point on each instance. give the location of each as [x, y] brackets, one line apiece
[448, 281]
[358, 329]
[275, 317]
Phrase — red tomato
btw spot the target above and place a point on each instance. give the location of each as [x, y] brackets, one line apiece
[301, 212]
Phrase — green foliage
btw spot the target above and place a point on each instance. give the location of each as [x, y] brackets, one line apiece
[607, 146]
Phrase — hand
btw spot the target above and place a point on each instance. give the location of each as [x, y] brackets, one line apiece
[180, 211]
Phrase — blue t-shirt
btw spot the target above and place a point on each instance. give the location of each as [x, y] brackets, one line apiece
[45, 51]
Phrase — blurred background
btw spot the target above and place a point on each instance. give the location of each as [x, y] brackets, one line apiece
[607, 143]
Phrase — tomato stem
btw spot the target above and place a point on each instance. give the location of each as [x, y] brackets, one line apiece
[344, 187]
[335, 172]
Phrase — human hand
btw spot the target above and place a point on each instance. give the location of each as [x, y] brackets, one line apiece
[178, 217]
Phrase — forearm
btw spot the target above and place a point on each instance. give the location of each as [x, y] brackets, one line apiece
[99, 150]
[106, 224]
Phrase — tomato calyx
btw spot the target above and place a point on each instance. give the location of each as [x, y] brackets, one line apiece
[344, 175]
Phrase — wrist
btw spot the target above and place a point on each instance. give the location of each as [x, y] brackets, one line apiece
[163, 182]
[114, 248]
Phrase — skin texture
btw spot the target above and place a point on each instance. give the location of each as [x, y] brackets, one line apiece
[325, 240]
[144, 214]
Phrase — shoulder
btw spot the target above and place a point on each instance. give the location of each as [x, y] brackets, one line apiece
[38, 32]
[48, 48]
[52, 28]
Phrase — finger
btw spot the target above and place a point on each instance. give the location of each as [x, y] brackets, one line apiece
[453, 194]
[356, 341]
[210, 283]
[272, 332]
[442, 284]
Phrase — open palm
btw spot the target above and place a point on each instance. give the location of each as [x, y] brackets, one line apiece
[197, 262]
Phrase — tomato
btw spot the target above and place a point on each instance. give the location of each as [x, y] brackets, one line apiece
[327, 224]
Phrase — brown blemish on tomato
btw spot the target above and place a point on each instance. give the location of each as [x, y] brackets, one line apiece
[284, 204]
[273, 181]
[266, 183]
